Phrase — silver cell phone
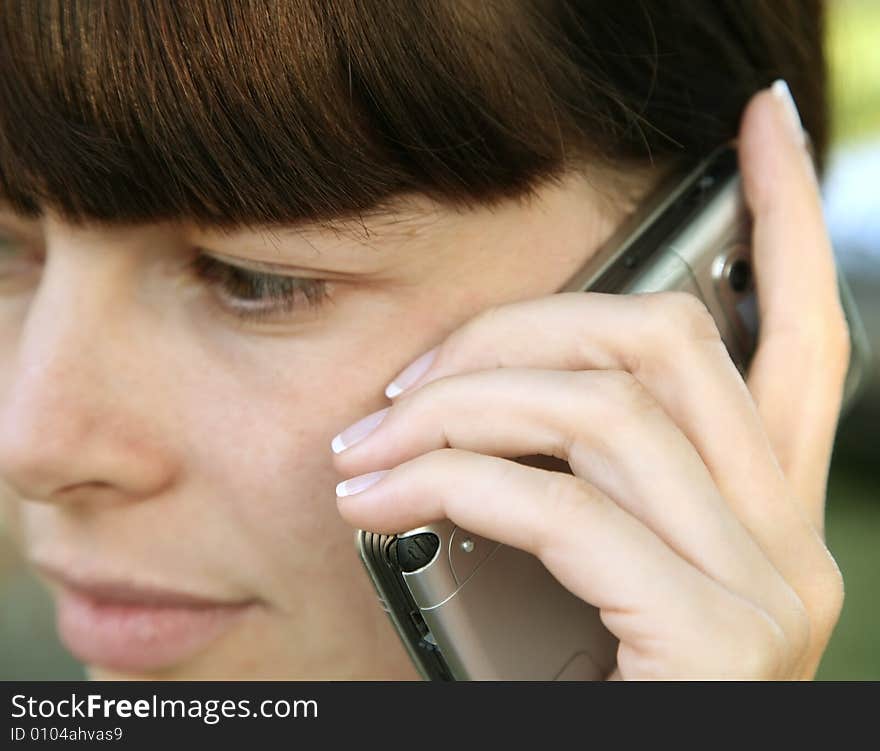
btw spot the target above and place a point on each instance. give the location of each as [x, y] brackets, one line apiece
[469, 608]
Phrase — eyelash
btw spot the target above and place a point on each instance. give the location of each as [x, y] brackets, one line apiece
[280, 291]
[274, 293]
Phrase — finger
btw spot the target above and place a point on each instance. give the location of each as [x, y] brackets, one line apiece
[612, 432]
[799, 368]
[670, 344]
[668, 341]
[670, 618]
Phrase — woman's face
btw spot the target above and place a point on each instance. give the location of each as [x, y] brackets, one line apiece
[150, 438]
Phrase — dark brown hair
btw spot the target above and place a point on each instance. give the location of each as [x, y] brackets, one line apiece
[249, 111]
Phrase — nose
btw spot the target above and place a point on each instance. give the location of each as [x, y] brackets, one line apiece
[72, 427]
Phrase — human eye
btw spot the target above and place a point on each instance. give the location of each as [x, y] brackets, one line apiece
[254, 295]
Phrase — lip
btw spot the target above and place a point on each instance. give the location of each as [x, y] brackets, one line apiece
[129, 626]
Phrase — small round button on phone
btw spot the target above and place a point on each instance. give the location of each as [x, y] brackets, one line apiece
[467, 552]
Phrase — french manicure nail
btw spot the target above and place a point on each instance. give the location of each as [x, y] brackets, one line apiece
[357, 432]
[783, 95]
[359, 483]
[409, 375]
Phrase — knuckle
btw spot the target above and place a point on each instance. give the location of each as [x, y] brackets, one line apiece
[767, 648]
[564, 500]
[445, 459]
[438, 462]
[843, 337]
[839, 340]
[683, 314]
[796, 626]
[826, 602]
[623, 396]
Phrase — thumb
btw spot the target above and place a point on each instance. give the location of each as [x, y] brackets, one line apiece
[797, 374]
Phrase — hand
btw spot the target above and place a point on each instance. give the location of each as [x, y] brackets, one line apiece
[693, 513]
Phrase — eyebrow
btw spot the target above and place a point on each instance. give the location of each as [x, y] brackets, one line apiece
[404, 220]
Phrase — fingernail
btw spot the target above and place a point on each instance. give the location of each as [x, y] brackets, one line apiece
[359, 483]
[357, 432]
[783, 95]
[409, 375]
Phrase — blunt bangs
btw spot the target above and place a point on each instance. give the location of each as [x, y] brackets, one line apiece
[254, 112]
[245, 112]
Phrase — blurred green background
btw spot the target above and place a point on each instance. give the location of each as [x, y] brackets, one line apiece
[853, 43]
[29, 648]
[853, 506]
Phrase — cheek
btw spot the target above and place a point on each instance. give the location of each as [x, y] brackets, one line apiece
[263, 457]
[260, 426]
[257, 462]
